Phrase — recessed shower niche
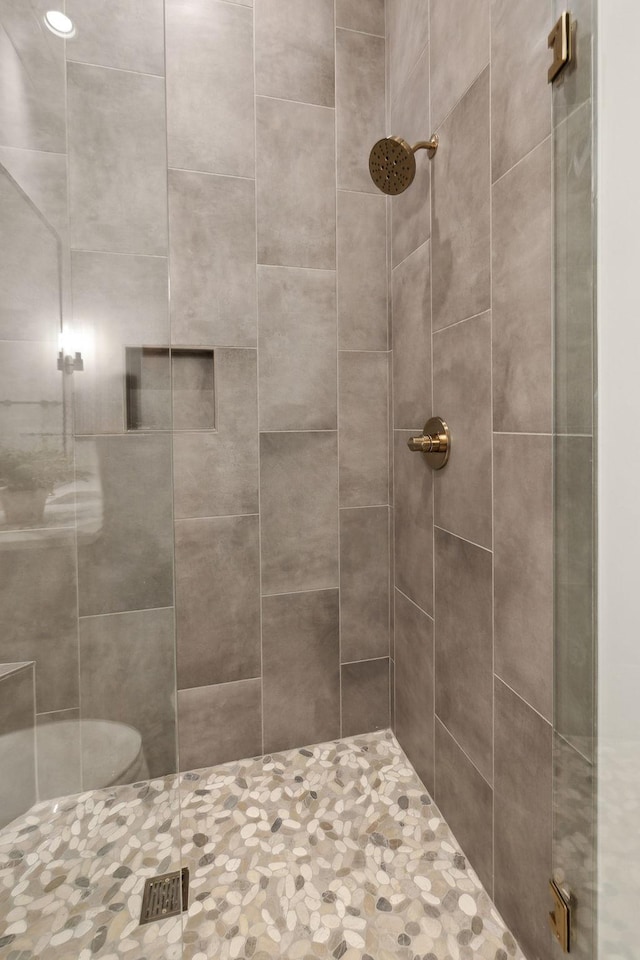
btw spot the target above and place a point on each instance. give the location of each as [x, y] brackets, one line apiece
[149, 374]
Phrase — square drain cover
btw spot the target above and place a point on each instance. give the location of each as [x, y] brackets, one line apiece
[165, 896]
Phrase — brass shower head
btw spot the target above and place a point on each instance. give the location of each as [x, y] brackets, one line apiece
[392, 162]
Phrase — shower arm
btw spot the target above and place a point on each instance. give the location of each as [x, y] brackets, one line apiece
[431, 145]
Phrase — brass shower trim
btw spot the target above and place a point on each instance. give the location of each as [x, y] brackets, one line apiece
[435, 443]
[392, 162]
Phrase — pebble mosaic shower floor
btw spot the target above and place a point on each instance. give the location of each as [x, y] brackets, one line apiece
[334, 851]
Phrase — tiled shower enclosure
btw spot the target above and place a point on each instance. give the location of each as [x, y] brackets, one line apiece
[216, 337]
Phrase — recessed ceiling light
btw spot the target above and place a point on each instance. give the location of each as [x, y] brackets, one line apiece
[60, 24]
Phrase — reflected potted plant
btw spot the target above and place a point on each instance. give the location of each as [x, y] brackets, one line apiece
[27, 479]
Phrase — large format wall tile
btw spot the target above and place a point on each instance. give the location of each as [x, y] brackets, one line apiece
[365, 696]
[118, 302]
[29, 269]
[414, 707]
[364, 15]
[32, 108]
[295, 50]
[117, 160]
[574, 653]
[299, 511]
[464, 646]
[524, 567]
[411, 292]
[360, 106]
[522, 282]
[520, 93]
[408, 35]
[574, 244]
[127, 674]
[219, 723]
[364, 430]
[210, 105]
[217, 600]
[17, 741]
[296, 183]
[411, 214]
[463, 27]
[462, 395]
[41, 624]
[522, 824]
[364, 583]
[362, 271]
[215, 473]
[461, 210]
[297, 344]
[301, 672]
[121, 34]
[125, 557]
[43, 178]
[213, 284]
[413, 497]
[466, 800]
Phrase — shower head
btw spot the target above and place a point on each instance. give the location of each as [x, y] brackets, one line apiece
[392, 162]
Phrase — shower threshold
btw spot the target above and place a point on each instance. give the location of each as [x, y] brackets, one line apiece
[332, 851]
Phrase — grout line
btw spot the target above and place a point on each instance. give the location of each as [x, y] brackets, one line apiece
[365, 33]
[219, 516]
[349, 663]
[211, 173]
[522, 159]
[295, 266]
[122, 613]
[416, 605]
[523, 700]
[355, 350]
[367, 506]
[492, 442]
[337, 177]
[255, 199]
[105, 66]
[327, 430]
[484, 67]
[456, 323]
[519, 433]
[433, 482]
[224, 683]
[462, 750]
[472, 543]
[118, 253]
[414, 251]
[304, 103]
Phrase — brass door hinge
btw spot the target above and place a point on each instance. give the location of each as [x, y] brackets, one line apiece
[560, 40]
[560, 916]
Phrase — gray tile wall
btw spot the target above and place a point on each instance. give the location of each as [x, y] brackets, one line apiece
[229, 568]
[278, 263]
[472, 341]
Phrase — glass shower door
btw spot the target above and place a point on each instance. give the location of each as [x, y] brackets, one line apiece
[88, 747]
[574, 484]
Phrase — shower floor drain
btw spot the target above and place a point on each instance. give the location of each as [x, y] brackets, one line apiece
[165, 896]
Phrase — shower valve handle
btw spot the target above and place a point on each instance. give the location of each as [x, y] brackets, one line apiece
[435, 443]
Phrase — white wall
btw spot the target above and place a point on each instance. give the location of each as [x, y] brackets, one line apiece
[619, 478]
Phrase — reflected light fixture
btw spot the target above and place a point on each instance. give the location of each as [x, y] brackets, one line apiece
[60, 24]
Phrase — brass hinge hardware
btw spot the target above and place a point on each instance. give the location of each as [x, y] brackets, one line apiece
[560, 40]
[560, 916]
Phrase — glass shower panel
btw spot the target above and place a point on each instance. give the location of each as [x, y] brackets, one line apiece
[574, 483]
[88, 745]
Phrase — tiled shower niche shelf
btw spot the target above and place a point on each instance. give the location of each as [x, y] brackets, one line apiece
[150, 373]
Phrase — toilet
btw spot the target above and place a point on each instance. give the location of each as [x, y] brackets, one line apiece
[92, 753]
